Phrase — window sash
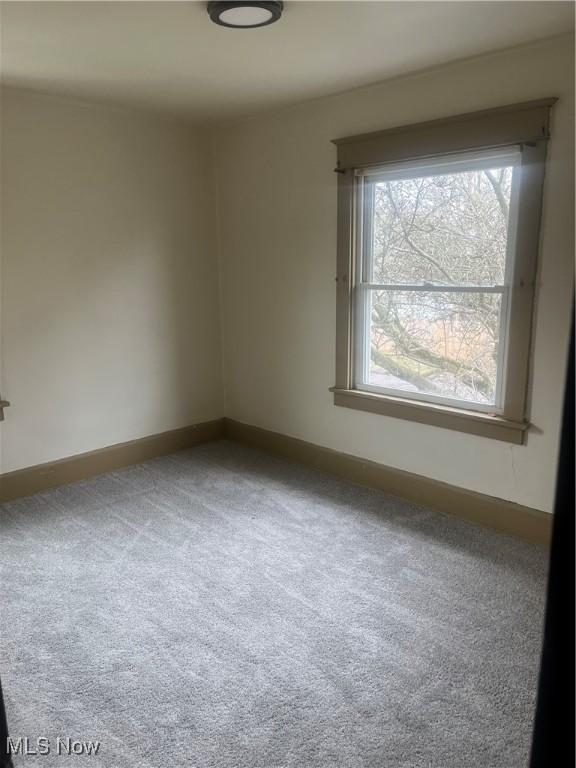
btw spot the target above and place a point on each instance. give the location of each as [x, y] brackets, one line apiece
[366, 179]
[363, 192]
[361, 379]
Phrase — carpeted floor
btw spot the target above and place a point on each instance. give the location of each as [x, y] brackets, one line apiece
[220, 608]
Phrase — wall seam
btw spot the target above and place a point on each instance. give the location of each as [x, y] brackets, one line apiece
[217, 219]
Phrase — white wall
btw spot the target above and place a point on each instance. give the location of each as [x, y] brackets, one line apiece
[110, 323]
[278, 253]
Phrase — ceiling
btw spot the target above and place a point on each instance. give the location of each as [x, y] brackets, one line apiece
[169, 57]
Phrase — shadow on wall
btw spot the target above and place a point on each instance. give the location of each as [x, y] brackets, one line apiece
[110, 325]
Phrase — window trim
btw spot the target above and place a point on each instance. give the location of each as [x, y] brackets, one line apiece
[525, 124]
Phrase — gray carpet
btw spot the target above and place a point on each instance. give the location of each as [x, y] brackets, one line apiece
[221, 608]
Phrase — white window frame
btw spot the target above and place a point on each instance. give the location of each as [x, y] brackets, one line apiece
[365, 181]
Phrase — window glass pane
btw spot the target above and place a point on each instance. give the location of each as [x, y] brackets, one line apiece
[435, 343]
[445, 229]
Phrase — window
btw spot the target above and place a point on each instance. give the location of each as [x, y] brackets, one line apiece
[437, 258]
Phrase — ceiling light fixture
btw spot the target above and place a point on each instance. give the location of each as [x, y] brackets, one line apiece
[245, 15]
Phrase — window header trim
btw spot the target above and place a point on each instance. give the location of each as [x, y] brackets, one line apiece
[522, 123]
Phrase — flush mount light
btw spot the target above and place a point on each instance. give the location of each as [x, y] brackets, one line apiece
[245, 15]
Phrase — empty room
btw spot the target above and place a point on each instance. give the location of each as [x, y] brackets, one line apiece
[286, 384]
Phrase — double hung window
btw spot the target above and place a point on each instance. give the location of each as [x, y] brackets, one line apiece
[437, 261]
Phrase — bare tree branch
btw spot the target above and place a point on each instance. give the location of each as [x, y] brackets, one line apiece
[497, 187]
[413, 245]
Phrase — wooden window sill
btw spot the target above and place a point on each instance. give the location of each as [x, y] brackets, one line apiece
[472, 422]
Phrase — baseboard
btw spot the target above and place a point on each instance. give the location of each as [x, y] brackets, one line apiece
[25, 482]
[514, 519]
